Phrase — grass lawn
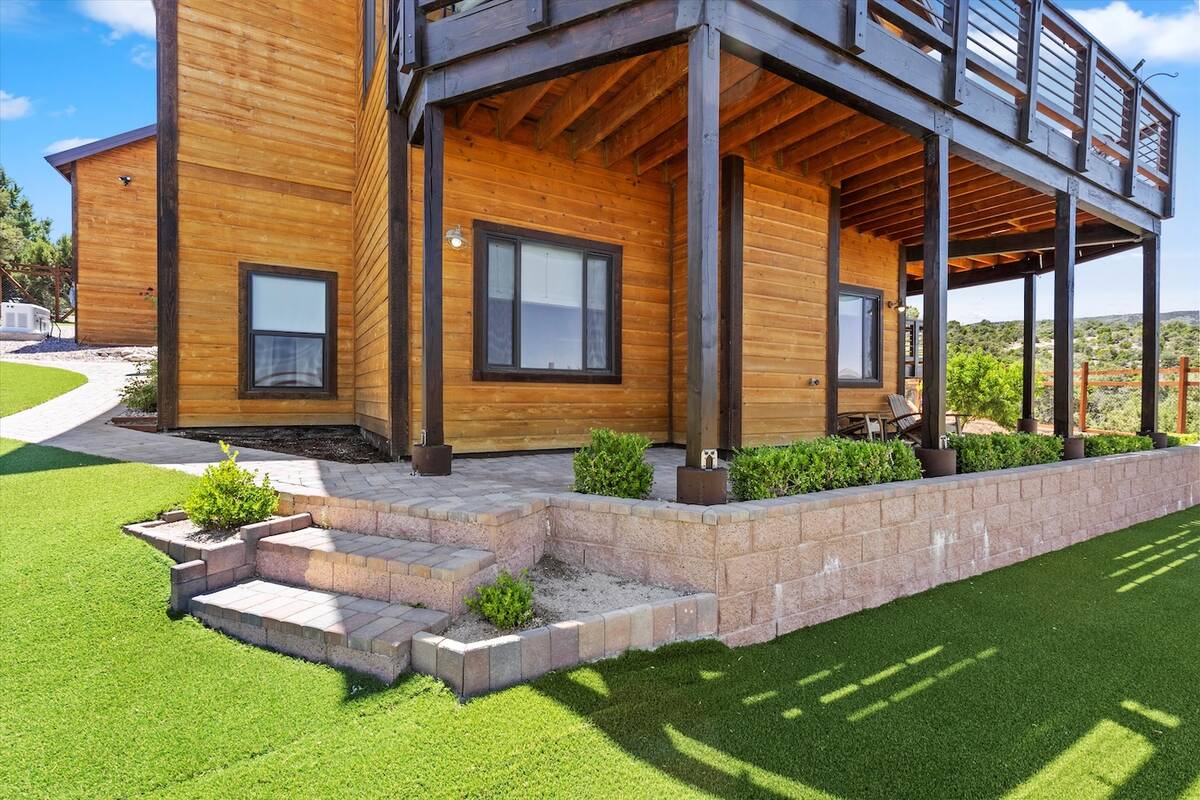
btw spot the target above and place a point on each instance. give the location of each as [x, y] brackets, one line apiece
[1041, 680]
[23, 386]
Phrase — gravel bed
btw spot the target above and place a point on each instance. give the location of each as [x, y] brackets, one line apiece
[562, 592]
[64, 349]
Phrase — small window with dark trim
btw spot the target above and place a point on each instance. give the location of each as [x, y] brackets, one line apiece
[860, 336]
[368, 43]
[547, 307]
[288, 331]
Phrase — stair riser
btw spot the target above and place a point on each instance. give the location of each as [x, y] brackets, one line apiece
[386, 668]
[518, 543]
[299, 567]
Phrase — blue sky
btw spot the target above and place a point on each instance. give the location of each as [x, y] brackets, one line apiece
[73, 70]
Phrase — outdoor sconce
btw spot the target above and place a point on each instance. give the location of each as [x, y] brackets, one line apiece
[901, 307]
[125, 179]
[455, 238]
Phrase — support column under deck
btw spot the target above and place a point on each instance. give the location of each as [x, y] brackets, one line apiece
[1064, 323]
[432, 456]
[1027, 423]
[700, 480]
[1151, 266]
[936, 458]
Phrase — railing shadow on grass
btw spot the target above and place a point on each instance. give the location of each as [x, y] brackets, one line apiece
[1005, 685]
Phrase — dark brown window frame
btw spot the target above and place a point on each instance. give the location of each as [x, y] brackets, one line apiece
[869, 293]
[370, 42]
[483, 232]
[246, 388]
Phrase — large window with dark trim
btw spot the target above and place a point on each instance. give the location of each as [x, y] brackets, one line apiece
[547, 307]
[860, 336]
[288, 332]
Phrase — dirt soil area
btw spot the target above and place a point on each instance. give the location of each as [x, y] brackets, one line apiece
[341, 443]
[562, 592]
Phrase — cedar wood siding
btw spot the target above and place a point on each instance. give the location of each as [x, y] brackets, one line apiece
[371, 357]
[116, 245]
[512, 183]
[783, 305]
[267, 103]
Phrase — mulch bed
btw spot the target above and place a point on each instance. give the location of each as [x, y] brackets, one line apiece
[341, 443]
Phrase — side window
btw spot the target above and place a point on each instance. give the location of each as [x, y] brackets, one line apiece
[288, 332]
[860, 336]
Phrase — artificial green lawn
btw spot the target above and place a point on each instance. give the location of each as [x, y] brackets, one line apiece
[23, 386]
[1040, 680]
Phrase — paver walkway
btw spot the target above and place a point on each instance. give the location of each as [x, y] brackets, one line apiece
[78, 420]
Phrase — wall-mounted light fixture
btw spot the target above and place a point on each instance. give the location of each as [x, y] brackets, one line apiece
[901, 307]
[125, 179]
[455, 238]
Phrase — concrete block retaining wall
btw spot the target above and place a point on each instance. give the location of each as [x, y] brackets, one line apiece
[779, 565]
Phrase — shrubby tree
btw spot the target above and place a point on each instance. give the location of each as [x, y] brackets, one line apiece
[981, 386]
[25, 239]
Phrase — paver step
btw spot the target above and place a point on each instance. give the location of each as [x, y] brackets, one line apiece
[376, 567]
[370, 636]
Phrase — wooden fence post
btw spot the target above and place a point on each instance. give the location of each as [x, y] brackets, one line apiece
[1181, 421]
[1083, 396]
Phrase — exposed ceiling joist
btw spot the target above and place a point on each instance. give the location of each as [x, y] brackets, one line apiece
[651, 83]
[585, 92]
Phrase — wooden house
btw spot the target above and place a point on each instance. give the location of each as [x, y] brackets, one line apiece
[113, 226]
[486, 227]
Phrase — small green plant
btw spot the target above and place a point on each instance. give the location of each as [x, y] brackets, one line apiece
[614, 465]
[979, 385]
[1177, 439]
[507, 603]
[759, 473]
[983, 452]
[1109, 444]
[226, 496]
[140, 392]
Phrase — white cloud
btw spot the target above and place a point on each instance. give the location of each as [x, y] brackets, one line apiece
[143, 55]
[121, 16]
[66, 144]
[1168, 36]
[13, 107]
[69, 111]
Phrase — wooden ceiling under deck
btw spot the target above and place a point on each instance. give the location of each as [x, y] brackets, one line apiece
[631, 116]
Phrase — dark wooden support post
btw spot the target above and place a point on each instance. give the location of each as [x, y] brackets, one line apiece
[833, 280]
[1027, 423]
[1151, 253]
[1084, 146]
[399, 386]
[733, 181]
[700, 481]
[168, 214]
[902, 322]
[1064, 322]
[1172, 169]
[1031, 48]
[936, 458]
[432, 455]
[1129, 179]
[956, 60]
[856, 26]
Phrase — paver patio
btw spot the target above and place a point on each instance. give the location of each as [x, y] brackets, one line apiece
[78, 420]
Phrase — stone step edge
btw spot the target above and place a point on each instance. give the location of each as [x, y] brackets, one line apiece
[476, 668]
[359, 642]
[450, 567]
[329, 510]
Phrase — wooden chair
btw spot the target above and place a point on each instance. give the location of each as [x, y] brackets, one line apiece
[869, 425]
[906, 420]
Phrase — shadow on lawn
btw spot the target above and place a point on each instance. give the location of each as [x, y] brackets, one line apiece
[25, 458]
[1040, 680]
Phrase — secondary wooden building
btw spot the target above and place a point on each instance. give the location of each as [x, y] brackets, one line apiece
[492, 226]
[113, 213]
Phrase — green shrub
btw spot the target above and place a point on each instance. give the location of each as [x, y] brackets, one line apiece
[140, 392]
[759, 473]
[983, 452]
[1112, 443]
[614, 465]
[979, 385]
[507, 603]
[226, 496]
[1177, 439]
